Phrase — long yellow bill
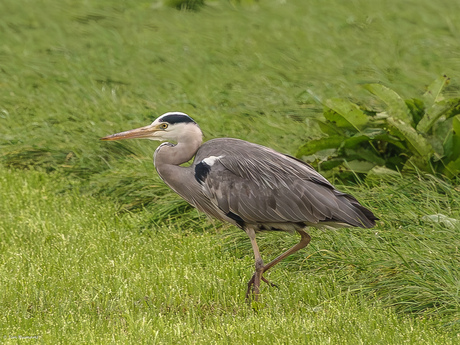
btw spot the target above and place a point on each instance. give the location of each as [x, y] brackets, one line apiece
[142, 132]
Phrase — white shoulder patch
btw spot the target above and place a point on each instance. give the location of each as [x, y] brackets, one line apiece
[211, 160]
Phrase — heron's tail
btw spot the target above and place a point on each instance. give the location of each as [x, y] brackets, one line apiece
[355, 214]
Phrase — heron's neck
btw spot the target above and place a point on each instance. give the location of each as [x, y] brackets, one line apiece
[183, 151]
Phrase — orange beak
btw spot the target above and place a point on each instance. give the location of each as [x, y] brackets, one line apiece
[138, 133]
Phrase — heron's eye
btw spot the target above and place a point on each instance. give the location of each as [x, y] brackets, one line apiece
[164, 126]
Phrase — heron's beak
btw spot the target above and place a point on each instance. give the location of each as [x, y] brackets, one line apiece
[142, 132]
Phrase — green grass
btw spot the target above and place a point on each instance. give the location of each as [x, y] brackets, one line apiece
[96, 249]
[74, 270]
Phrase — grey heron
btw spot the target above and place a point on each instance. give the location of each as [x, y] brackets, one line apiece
[250, 186]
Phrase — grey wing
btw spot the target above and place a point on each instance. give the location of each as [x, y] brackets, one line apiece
[252, 184]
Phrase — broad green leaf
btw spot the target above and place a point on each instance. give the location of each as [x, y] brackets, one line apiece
[454, 108]
[372, 134]
[456, 125]
[453, 168]
[433, 92]
[330, 164]
[438, 148]
[359, 166]
[416, 108]
[381, 171]
[314, 146]
[355, 140]
[452, 142]
[417, 162]
[320, 156]
[344, 114]
[367, 134]
[364, 154]
[437, 137]
[417, 143]
[391, 140]
[448, 108]
[397, 108]
[329, 128]
[441, 129]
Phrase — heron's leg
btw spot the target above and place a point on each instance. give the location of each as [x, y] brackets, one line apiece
[254, 283]
[304, 240]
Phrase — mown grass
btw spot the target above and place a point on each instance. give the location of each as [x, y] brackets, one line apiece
[96, 249]
[74, 270]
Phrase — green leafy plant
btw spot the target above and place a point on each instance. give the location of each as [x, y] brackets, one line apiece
[421, 134]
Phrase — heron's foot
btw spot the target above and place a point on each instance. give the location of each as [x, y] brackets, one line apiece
[255, 289]
[269, 283]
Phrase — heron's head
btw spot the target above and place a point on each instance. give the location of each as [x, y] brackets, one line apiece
[170, 126]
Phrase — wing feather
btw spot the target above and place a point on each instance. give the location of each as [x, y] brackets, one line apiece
[261, 185]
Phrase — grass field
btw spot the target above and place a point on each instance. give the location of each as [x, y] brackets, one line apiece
[95, 249]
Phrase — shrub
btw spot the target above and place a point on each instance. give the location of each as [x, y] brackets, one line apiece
[415, 133]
